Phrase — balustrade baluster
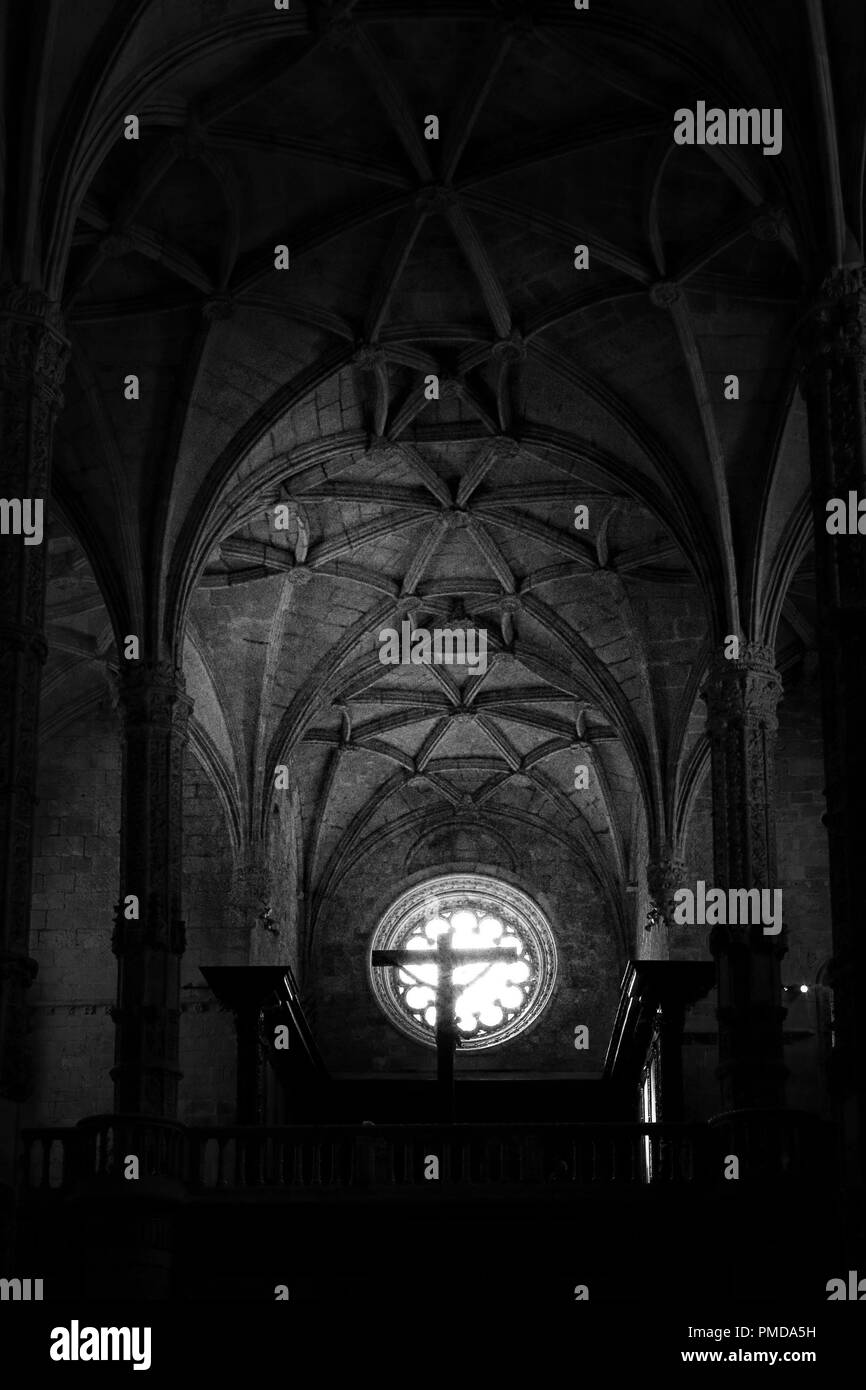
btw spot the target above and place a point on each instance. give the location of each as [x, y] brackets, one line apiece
[386, 1150]
[410, 1174]
[240, 1172]
[279, 1160]
[192, 1173]
[297, 1178]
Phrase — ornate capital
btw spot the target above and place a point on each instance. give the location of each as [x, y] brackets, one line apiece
[23, 301]
[664, 875]
[834, 330]
[842, 283]
[33, 348]
[250, 897]
[149, 691]
[743, 690]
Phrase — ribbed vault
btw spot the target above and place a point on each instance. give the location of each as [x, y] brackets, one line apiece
[557, 387]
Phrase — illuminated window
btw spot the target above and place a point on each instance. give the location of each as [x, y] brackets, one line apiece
[493, 1000]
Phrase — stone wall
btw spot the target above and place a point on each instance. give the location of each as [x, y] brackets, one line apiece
[355, 1036]
[75, 889]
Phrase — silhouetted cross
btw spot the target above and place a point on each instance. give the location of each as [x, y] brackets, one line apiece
[447, 957]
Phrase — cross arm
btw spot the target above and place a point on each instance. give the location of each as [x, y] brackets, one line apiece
[400, 957]
[469, 957]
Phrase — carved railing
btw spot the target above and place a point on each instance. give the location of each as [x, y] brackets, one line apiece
[469, 1156]
[357, 1158]
[774, 1144]
[96, 1151]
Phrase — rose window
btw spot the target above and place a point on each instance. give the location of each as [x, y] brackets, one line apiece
[495, 998]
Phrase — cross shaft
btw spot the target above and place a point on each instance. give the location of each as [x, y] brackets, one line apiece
[448, 959]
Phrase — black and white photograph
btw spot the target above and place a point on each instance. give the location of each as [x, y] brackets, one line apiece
[432, 683]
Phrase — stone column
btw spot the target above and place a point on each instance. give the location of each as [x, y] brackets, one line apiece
[33, 353]
[33, 356]
[832, 383]
[741, 697]
[148, 947]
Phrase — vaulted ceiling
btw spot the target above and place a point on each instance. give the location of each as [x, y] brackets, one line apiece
[411, 258]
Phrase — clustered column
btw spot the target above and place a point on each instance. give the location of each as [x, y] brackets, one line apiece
[741, 697]
[833, 386]
[33, 353]
[149, 935]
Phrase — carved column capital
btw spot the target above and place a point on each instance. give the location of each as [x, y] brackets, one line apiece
[33, 347]
[743, 690]
[250, 896]
[833, 332]
[151, 695]
[664, 875]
